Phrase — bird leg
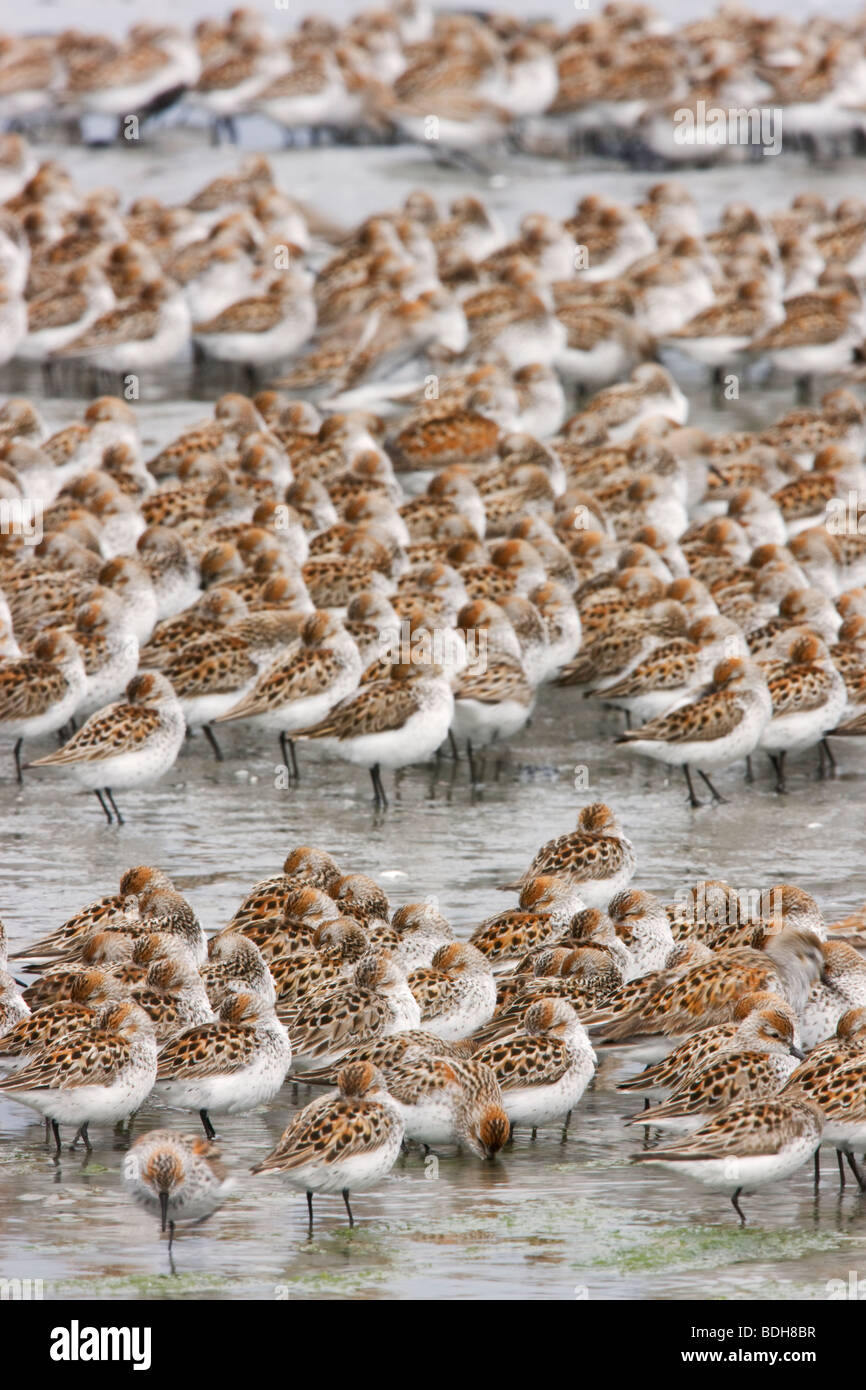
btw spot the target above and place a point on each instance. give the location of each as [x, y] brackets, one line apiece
[212, 740]
[693, 800]
[348, 1208]
[852, 1164]
[778, 761]
[825, 747]
[715, 795]
[287, 747]
[378, 789]
[81, 1133]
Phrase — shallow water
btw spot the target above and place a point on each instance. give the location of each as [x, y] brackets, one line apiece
[546, 1220]
[572, 1220]
[116, 16]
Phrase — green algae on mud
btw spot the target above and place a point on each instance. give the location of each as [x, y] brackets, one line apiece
[167, 1285]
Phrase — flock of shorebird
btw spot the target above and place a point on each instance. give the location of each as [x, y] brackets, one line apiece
[617, 78]
[243, 275]
[408, 536]
[462, 473]
[438, 1041]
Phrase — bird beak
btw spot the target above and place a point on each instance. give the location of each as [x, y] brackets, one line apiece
[798, 1052]
[163, 1206]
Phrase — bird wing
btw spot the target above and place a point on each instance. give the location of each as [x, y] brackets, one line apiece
[521, 1060]
[27, 686]
[434, 991]
[337, 1021]
[743, 1130]
[795, 691]
[327, 1130]
[409, 1081]
[489, 684]
[669, 669]
[207, 1050]
[681, 1001]
[309, 672]
[373, 709]
[211, 665]
[94, 1059]
[117, 728]
[593, 856]
[735, 1076]
[713, 716]
[245, 316]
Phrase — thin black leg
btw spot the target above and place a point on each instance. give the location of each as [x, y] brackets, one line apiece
[840, 1159]
[817, 1168]
[287, 748]
[715, 795]
[113, 805]
[212, 740]
[693, 800]
[778, 761]
[310, 1210]
[55, 1130]
[473, 771]
[348, 1208]
[735, 1203]
[108, 816]
[852, 1164]
[208, 1127]
[18, 774]
[378, 789]
[750, 776]
[81, 1133]
[453, 745]
[170, 1235]
[829, 755]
